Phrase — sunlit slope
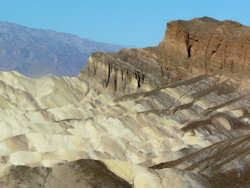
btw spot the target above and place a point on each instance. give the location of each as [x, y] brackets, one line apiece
[54, 120]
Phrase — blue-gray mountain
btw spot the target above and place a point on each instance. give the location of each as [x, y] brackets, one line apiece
[36, 52]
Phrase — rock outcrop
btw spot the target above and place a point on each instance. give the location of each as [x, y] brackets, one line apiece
[202, 45]
[125, 71]
[209, 44]
[130, 70]
[136, 118]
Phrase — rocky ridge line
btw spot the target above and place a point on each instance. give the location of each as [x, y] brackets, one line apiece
[152, 122]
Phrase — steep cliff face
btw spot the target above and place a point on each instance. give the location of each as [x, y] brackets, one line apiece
[209, 43]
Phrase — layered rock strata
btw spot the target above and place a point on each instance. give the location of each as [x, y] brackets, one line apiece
[131, 120]
[209, 44]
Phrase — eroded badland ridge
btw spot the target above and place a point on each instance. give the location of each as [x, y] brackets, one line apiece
[175, 115]
[203, 45]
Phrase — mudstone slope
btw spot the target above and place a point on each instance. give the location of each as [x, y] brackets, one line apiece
[137, 118]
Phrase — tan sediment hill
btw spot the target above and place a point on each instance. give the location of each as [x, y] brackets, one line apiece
[134, 118]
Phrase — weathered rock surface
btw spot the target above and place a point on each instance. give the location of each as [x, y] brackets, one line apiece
[202, 45]
[130, 70]
[123, 72]
[209, 44]
[130, 121]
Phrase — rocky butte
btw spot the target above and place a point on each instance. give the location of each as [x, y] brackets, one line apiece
[209, 43]
[175, 115]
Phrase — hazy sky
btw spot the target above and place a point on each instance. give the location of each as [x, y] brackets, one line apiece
[128, 22]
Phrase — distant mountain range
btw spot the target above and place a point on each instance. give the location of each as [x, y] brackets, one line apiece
[36, 52]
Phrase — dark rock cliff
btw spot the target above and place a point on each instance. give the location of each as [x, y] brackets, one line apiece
[209, 44]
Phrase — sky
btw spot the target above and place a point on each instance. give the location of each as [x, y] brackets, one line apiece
[135, 23]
